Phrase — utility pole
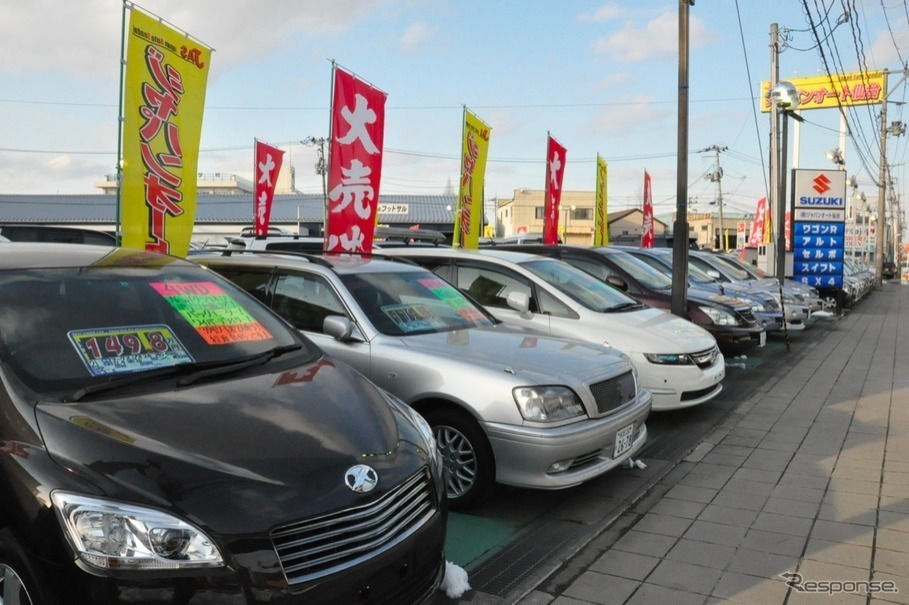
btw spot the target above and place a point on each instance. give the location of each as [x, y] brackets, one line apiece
[717, 177]
[680, 227]
[773, 190]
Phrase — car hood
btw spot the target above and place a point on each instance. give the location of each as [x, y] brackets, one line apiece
[541, 357]
[237, 454]
[654, 331]
[705, 296]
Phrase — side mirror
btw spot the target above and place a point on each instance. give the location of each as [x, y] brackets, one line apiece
[340, 328]
[715, 274]
[617, 282]
[520, 302]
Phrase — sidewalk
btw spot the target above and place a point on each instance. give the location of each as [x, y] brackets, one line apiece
[809, 477]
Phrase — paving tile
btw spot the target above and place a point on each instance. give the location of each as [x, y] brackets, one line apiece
[678, 508]
[889, 584]
[769, 460]
[891, 562]
[727, 515]
[853, 555]
[795, 508]
[838, 531]
[772, 542]
[751, 590]
[643, 543]
[701, 553]
[648, 594]
[691, 493]
[856, 486]
[739, 500]
[593, 587]
[684, 576]
[798, 492]
[666, 525]
[783, 524]
[716, 533]
[762, 564]
[892, 540]
[628, 565]
[757, 474]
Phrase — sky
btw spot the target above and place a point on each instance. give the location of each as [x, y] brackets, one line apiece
[602, 77]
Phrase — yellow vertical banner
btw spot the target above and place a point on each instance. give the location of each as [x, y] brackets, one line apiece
[474, 149]
[163, 99]
[601, 210]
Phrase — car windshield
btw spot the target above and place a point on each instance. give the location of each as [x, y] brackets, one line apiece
[736, 268]
[641, 271]
[718, 264]
[73, 329]
[413, 302]
[755, 271]
[580, 286]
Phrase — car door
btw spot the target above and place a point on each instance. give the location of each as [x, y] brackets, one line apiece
[305, 299]
[490, 285]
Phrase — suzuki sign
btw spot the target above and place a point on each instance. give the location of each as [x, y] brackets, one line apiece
[819, 232]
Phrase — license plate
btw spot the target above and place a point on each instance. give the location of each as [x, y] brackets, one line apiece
[623, 440]
[763, 339]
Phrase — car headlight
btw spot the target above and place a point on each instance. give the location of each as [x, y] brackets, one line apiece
[669, 359]
[113, 535]
[547, 403]
[414, 419]
[720, 317]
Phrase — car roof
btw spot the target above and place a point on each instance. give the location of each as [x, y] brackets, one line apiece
[342, 264]
[38, 255]
[493, 253]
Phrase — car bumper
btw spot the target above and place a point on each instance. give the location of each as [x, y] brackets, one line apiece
[737, 339]
[676, 387]
[525, 455]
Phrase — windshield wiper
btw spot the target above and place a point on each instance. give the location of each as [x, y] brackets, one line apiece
[116, 383]
[622, 306]
[236, 366]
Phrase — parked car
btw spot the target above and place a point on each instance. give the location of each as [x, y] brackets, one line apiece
[795, 310]
[803, 293]
[56, 234]
[165, 438]
[729, 320]
[506, 405]
[888, 269]
[676, 360]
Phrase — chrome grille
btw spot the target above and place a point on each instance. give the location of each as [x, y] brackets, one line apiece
[748, 315]
[705, 359]
[317, 547]
[614, 393]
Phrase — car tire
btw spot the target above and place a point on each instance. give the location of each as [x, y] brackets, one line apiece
[19, 578]
[466, 455]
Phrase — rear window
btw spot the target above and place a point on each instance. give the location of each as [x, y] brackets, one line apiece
[69, 328]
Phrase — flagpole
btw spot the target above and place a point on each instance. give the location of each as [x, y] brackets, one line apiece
[331, 104]
[119, 168]
[456, 232]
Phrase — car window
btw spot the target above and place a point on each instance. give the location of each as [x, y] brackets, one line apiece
[706, 268]
[413, 302]
[305, 300]
[650, 277]
[736, 271]
[491, 287]
[69, 328]
[578, 285]
[254, 282]
[598, 270]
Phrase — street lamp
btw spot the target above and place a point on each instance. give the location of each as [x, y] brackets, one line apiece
[322, 170]
[784, 97]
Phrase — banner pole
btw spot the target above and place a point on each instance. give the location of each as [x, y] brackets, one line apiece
[119, 168]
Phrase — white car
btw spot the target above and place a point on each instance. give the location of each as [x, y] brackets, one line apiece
[678, 361]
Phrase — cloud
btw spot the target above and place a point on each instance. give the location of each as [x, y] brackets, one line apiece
[414, 36]
[639, 112]
[83, 36]
[658, 38]
[606, 12]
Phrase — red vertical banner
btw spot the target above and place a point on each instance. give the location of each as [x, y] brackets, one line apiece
[268, 165]
[355, 163]
[555, 170]
[788, 227]
[647, 228]
[757, 226]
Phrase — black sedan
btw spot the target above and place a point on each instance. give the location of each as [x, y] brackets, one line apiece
[165, 438]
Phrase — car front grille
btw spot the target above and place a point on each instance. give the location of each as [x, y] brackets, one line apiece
[705, 359]
[747, 316]
[324, 545]
[612, 394]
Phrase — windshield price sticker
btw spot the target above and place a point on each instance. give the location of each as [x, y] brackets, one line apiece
[217, 317]
[411, 318]
[121, 350]
[452, 297]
